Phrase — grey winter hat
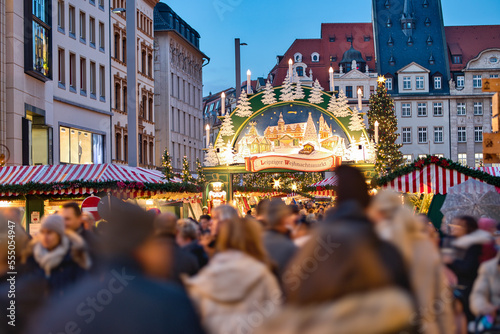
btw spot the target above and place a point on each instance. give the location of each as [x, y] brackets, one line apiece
[54, 223]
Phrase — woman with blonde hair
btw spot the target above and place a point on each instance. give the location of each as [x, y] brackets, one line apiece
[234, 290]
[396, 223]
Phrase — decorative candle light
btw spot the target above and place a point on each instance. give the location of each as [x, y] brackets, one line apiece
[332, 86]
[249, 82]
[207, 129]
[376, 132]
[290, 63]
[360, 95]
[222, 104]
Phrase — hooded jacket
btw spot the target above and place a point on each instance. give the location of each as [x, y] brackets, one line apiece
[384, 311]
[234, 293]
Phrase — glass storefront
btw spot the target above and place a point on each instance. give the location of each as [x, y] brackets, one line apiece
[80, 147]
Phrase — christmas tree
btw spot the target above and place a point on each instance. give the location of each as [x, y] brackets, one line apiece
[332, 105]
[186, 174]
[211, 157]
[287, 90]
[353, 151]
[227, 128]
[310, 133]
[219, 143]
[201, 175]
[316, 96]
[381, 109]
[243, 108]
[298, 94]
[269, 97]
[168, 170]
[342, 106]
[356, 122]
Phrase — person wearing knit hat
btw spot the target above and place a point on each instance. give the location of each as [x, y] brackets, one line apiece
[57, 254]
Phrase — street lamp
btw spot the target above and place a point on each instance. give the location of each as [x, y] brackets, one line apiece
[237, 63]
[131, 81]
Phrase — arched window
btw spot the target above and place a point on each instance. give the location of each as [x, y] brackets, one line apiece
[151, 152]
[145, 153]
[125, 148]
[117, 96]
[315, 57]
[150, 109]
[118, 146]
[300, 71]
[150, 65]
[124, 50]
[297, 57]
[117, 46]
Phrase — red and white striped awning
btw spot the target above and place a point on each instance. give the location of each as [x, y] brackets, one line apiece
[495, 171]
[53, 174]
[331, 181]
[431, 179]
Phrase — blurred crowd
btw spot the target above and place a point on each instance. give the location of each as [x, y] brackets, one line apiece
[367, 264]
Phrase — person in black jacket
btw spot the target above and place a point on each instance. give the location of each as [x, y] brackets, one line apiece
[467, 247]
[183, 262]
[187, 238]
[58, 256]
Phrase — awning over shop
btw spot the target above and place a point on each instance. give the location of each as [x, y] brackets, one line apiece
[431, 179]
[331, 181]
[66, 179]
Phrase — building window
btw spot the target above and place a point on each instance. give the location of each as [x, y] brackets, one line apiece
[298, 57]
[118, 146]
[315, 57]
[461, 111]
[478, 134]
[462, 158]
[406, 110]
[438, 134]
[460, 81]
[83, 76]
[60, 15]
[493, 76]
[437, 82]
[61, 68]
[150, 65]
[101, 4]
[80, 147]
[72, 72]
[71, 21]
[406, 82]
[476, 81]
[438, 109]
[407, 158]
[124, 49]
[457, 59]
[117, 46]
[83, 27]
[478, 108]
[102, 38]
[422, 109]
[462, 134]
[422, 135]
[36, 42]
[102, 83]
[419, 83]
[92, 32]
[93, 80]
[300, 71]
[117, 96]
[348, 92]
[406, 135]
[125, 98]
[143, 62]
[478, 160]
[150, 109]
[388, 83]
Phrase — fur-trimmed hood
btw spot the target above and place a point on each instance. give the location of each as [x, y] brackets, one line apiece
[478, 237]
[77, 246]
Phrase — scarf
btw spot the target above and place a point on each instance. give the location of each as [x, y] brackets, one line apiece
[49, 260]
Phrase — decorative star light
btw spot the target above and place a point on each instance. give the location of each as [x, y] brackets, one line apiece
[381, 79]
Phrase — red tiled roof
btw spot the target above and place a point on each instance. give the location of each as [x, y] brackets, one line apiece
[325, 48]
[470, 41]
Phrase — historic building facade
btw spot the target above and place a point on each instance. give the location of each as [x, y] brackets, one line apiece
[144, 85]
[178, 65]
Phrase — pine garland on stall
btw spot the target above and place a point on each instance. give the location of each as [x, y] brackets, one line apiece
[243, 108]
[168, 170]
[269, 96]
[381, 109]
[316, 96]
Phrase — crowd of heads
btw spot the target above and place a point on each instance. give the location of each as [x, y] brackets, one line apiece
[361, 264]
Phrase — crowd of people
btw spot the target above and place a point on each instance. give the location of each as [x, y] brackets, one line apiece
[367, 264]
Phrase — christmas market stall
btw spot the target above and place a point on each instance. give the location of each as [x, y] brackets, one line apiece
[430, 178]
[37, 190]
[275, 140]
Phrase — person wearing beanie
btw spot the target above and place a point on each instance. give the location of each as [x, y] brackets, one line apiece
[489, 250]
[58, 255]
